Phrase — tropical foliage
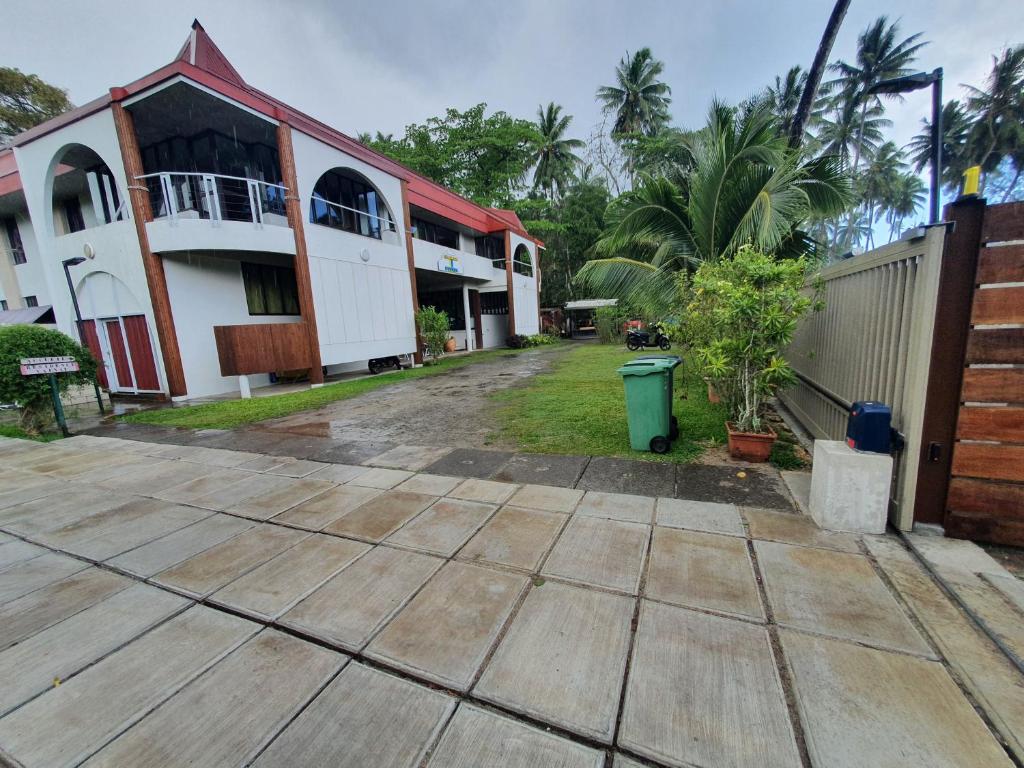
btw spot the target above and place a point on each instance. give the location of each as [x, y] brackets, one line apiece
[639, 99]
[434, 326]
[27, 101]
[553, 152]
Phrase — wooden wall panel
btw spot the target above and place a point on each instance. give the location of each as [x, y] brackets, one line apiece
[980, 423]
[998, 306]
[994, 385]
[995, 345]
[1004, 264]
[992, 461]
[248, 349]
[1003, 222]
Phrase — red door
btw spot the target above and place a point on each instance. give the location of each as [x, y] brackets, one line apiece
[141, 350]
[92, 341]
[120, 353]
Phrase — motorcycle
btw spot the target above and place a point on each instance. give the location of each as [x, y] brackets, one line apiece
[381, 364]
[637, 338]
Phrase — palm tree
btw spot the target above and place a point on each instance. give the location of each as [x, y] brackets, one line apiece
[877, 182]
[810, 92]
[906, 195]
[784, 97]
[998, 109]
[639, 100]
[745, 186]
[552, 152]
[841, 129]
[956, 129]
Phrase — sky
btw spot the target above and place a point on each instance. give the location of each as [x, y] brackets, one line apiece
[382, 65]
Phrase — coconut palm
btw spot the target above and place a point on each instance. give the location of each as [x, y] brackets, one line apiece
[784, 97]
[877, 182]
[639, 100]
[810, 93]
[840, 128]
[552, 152]
[745, 186]
[998, 109]
[906, 195]
[956, 130]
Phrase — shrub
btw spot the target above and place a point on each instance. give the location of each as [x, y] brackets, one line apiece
[553, 331]
[32, 393]
[434, 326]
[517, 341]
[608, 322]
[540, 340]
[740, 316]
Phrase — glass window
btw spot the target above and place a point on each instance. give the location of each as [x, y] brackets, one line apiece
[345, 201]
[73, 215]
[435, 233]
[270, 290]
[493, 248]
[14, 241]
[522, 263]
[495, 303]
[3, 305]
[31, 301]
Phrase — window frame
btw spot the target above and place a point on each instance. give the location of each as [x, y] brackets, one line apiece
[363, 210]
[267, 278]
[519, 266]
[14, 240]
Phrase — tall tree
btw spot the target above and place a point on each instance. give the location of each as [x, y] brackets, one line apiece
[27, 101]
[639, 100]
[906, 196]
[810, 92]
[784, 97]
[553, 152]
[956, 130]
[998, 110]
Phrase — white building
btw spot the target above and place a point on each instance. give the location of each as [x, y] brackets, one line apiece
[222, 233]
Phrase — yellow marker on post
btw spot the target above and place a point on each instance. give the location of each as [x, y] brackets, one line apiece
[972, 178]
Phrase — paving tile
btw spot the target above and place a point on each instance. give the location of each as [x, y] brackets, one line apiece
[646, 478]
[250, 696]
[860, 706]
[22, 618]
[348, 609]
[700, 516]
[1011, 587]
[703, 570]
[991, 608]
[72, 721]
[381, 478]
[445, 632]
[602, 553]
[381, 516]
[758, 487]
[470, 462]
[432, 485]
[339, 473]
[18, 551]
[834, 593]
[298, 468]
[410, 457]
[796, 529]
[210, 570]
[444, 527]
[543, 469]
[621, 761]
[477, 737]
[704, 690]
[169, 550]
[517, 538]
[118, 530]
[365, 717]
[269, 590]
[617, 506]
[54, 511]
[486, 491]
[190, 490]
[291, 493]
[322, 510]
[953, 558]
[58, 652]
[351, 453]
[546, 498]
[156, 477]
[563, 659]
[27, 488]
[22, 578]
[220, 457]
[257, 485]
[265, 463]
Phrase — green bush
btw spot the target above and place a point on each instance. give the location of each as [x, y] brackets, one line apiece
[32, 393]
[608, 322]
[435, 327]
[540, 340]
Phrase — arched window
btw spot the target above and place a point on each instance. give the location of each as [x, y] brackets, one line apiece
[346, 200]
[522, 261]
[84, 193]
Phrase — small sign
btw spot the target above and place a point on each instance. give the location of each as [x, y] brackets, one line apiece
[34, 366]
[450, 263]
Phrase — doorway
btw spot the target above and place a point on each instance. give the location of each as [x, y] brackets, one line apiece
[124, 349]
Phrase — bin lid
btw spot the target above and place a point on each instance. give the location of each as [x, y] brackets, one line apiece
[671, 361]
[644, 367]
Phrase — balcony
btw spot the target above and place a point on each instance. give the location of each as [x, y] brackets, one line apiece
[438, 258]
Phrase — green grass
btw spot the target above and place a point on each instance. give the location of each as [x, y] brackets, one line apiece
[235, 413]
[9, 430]
[785, 454]
[579, 408]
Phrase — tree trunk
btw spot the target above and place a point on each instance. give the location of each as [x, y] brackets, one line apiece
[803, 111]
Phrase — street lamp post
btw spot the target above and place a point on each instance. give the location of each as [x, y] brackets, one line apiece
[68, 263]
[916, 82]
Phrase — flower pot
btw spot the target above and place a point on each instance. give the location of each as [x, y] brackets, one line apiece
[713, 397]
[750, 446]
[450, 345]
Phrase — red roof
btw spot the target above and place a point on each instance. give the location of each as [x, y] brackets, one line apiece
[202, 61]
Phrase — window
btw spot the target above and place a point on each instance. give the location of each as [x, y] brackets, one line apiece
[270, 290]
[3, 305]
[31, 301]
[73, 215]
[344, 200]
[521, 261]
[493, 248]
[435, 233]
[495, 303]
[449, 302]
[14, 241]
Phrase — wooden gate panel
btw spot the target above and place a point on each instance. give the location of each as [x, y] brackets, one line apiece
[140, 347]
[92, 341]
[122, 367]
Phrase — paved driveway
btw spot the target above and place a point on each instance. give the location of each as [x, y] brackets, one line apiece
[178, 605]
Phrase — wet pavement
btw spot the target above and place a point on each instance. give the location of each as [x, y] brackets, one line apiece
[165, 605]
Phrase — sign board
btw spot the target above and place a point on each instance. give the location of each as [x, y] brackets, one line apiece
[34, 366]
[450, 263]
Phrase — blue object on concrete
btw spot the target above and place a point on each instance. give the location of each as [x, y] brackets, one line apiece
[869, 427]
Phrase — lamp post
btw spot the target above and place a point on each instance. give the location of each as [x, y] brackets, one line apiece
[68, 263]
[916, 82]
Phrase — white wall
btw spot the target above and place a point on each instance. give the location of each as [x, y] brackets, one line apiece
[185, 234]
[525, 292]
[495, 330]
[428, 254]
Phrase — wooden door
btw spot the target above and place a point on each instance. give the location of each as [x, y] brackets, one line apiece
[119, 352]
[92, 340]
[474, 308]
[140, 348]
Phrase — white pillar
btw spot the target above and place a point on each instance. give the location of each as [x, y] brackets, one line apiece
[243, 387]
[470, 335]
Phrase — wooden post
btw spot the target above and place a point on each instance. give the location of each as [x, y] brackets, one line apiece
[508, 282]
[138, 196]
[410, 256]
[293, 208]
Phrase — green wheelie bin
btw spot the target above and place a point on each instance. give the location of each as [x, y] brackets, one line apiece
[648, 385]
[676, 361]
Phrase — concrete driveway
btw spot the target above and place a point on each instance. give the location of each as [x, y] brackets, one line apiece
[165, 605]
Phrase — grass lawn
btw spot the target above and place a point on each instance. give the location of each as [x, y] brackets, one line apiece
[9, 430]
[579, 408]
[235, 413]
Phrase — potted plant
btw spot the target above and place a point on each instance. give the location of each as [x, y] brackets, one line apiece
[434, 327]
[450, 345]
[742, 313]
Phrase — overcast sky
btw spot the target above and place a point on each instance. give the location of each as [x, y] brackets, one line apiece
[381, 65]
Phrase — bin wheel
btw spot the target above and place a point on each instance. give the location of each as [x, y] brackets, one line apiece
[660, 444]
[665, 344]
[673, 432]
[632, 345]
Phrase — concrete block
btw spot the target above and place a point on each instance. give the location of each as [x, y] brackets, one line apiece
[849, 489]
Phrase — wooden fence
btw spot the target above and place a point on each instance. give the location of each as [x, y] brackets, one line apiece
[265, 348]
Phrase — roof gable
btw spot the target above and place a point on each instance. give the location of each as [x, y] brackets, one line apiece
[200, 51]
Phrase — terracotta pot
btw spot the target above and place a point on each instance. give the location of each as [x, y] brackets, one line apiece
[750, 446]
[450, 345]
[713, 397]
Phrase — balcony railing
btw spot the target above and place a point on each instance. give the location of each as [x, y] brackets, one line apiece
[349, 219]
[215, 197]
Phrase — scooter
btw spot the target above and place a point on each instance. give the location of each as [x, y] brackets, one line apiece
[381, 364]
[639, 339]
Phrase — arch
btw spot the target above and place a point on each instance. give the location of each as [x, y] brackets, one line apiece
[522, 261]
[102, 294]
[345, 199]
[81, 191]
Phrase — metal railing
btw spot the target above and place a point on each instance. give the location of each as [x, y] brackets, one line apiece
[872, 341]
[337, 216]
[215, 197]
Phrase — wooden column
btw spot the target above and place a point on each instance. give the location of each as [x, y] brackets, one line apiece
[508, 283]
[138, 196]
[293, 207]
[410, 256]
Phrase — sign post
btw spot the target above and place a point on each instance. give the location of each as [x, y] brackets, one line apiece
[50, 367]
